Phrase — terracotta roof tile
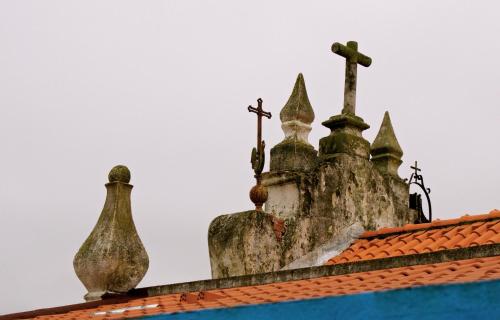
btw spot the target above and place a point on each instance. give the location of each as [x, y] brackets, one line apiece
[446, 272]
[388, 242]
[463, 232]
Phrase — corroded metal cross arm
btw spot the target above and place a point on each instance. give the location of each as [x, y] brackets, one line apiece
[416, 168]
[258, 194]
[260, 112]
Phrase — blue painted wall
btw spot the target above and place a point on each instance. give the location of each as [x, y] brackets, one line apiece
[479, 300]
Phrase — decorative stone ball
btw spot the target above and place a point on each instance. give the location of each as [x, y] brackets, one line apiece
[119, 174]
[258, 195]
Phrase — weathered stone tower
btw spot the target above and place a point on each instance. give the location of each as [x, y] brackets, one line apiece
[318, 201]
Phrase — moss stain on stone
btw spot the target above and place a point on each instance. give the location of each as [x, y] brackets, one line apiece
[112, 259]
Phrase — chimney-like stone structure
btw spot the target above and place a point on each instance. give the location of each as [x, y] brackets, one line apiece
[317, 203]
[112, 260]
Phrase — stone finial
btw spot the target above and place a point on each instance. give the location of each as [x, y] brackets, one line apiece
[295, 152]
[119, 173]
[298, 107]
[112, 260]
[385, 150]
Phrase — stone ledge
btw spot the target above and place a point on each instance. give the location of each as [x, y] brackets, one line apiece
[345, 120]
[323, 271]
[280, 177]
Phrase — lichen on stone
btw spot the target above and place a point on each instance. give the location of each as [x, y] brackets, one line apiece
[332, 196]
[119, 173]
[386, 141]
[298, 106]
[385, 151]
[112, 259]
[295, 152]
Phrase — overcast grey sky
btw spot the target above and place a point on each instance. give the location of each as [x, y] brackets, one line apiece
[163, 86]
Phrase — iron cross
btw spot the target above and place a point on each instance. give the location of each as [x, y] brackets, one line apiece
[417, 169]
[353, 57]
[417, 176]
[258, 153]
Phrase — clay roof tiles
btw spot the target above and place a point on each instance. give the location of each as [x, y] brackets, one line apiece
[463, 232]
[448, 272]
[468, 231]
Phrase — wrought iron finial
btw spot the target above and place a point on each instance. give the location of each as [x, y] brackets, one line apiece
[416, 199]
[258, 194]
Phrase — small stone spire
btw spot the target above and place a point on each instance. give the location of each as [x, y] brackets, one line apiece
[295, 152]
[298, 107]
[385, 150]
[112, 260]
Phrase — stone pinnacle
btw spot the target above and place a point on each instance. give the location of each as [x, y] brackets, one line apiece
[386, 141]
[385, 150]
[295, 152]
[298, 106]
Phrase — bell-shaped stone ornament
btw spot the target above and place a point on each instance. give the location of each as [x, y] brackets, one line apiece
[112, 260]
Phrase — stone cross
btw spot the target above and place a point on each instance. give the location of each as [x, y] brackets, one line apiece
[353, 57]
[257, 159]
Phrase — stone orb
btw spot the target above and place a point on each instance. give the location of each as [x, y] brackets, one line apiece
[119, 173]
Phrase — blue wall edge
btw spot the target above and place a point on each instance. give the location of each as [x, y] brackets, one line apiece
[476, 300]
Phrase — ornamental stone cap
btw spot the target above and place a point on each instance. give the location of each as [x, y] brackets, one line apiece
[386, 141]
[298, 106]
[119, 173]
[112, 260]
